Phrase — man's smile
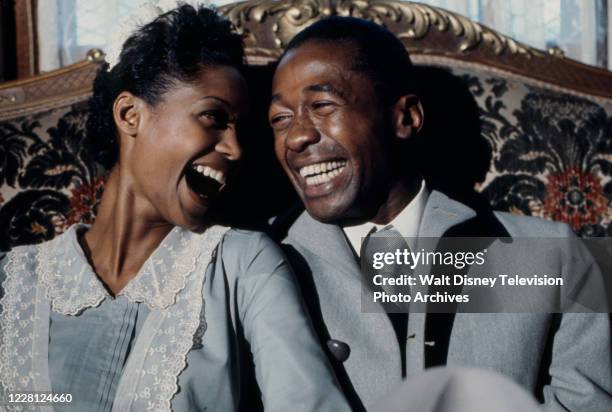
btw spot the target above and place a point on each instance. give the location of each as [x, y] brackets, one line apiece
[320, 177]
[322, 172]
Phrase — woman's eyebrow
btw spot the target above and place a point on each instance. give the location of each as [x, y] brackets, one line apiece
[217, 98]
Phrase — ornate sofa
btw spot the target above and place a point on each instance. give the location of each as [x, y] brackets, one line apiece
[531, 131]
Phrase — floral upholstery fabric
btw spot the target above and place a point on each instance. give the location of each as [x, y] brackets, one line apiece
[47, 179]
[551, 153]
[551, 158]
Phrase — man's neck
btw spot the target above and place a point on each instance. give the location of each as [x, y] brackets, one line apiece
[399, 196]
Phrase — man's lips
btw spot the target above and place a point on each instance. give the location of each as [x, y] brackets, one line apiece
[318, 177]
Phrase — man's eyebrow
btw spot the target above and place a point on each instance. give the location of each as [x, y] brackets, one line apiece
[325, 88]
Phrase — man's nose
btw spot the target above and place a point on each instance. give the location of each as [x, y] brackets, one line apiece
[229, 145]
[302, 134]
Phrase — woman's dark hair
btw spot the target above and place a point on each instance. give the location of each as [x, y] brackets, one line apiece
[174, 47]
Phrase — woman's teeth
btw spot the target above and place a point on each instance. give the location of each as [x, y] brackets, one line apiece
[210, 172]
[323, 172]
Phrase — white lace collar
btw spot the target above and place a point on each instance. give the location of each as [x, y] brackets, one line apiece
[72, 286]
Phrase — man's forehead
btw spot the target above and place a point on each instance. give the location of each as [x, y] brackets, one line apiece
[305, 70]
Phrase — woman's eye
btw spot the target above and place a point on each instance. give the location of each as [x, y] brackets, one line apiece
[219, 118]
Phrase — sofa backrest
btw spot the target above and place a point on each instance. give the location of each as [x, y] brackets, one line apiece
[531, 131]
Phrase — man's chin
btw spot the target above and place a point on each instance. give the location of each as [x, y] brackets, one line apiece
[325, 211]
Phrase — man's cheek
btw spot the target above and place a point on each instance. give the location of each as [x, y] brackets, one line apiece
[279, 152]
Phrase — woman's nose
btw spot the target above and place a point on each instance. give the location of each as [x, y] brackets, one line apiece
[229, 145]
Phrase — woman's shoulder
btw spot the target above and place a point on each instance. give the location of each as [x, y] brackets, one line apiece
[26, 258]
[20, 261]
[25, 255]
[245, 252]
[245, 236]
[248, 243]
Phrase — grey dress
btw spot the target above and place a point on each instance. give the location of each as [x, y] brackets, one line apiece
[172, 339]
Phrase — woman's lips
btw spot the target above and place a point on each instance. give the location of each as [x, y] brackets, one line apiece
[202, 185]
[209, 171]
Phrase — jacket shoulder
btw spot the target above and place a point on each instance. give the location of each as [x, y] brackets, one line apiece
[529, 226]
[241, 248]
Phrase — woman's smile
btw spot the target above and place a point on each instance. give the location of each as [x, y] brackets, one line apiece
[204, 181]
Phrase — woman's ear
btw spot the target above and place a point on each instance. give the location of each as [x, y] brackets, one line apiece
[407, 116]
[127, 112]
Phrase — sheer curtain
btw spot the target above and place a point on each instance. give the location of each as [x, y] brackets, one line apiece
[578, 27]
[67, 29]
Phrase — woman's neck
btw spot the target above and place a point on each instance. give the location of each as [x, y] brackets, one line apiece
[125, 233]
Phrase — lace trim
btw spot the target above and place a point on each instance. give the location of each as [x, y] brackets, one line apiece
[157, 285]
[17, 326]
[162, 345]
[150, 378]
[63, 274]
[72, 286]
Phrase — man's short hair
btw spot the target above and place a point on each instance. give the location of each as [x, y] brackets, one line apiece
[378, 53]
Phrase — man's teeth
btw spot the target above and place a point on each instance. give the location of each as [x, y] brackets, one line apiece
[210, 172]
[322, 172]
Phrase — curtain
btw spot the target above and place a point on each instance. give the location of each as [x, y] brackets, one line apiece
[67, 29]
[578, 27]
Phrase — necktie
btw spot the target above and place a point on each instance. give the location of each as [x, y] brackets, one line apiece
[385, 240]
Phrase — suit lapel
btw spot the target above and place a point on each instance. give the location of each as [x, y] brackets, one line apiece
[340, 312]
[336, 273]
[327, 241]
[442, 213]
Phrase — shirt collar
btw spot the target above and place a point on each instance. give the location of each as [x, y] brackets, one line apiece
[72, 285]
[407, 222]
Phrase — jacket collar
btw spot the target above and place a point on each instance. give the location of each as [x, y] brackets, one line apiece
[442, 213]
[325, 240]
[329, 242]
[72, 285]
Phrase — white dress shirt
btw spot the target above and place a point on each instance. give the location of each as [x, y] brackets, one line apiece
[406, 222]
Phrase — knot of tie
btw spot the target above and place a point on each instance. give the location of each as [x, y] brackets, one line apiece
[374, 246]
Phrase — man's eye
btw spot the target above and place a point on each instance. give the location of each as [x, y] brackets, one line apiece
[323, 107]
[279, 120]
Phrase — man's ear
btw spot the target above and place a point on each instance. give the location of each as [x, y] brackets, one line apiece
[407, 116]
[127, 112]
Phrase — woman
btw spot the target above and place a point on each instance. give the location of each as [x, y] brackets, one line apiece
[153, 307]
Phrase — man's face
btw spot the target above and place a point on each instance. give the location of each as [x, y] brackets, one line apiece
[329, 129]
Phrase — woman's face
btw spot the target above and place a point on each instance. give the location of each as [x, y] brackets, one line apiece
[186, 146]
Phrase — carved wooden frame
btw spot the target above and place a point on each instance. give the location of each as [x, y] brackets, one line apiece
[268, 25]
[27, 44]
[47, 91]
[430, 34]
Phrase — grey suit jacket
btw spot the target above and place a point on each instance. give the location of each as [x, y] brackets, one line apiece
[564, 360]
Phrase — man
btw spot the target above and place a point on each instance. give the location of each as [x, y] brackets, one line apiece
[344, 116]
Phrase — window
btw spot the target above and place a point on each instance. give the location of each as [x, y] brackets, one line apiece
[67, 29]
[579, 28]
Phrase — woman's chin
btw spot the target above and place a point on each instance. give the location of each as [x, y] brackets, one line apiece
[193, 223]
